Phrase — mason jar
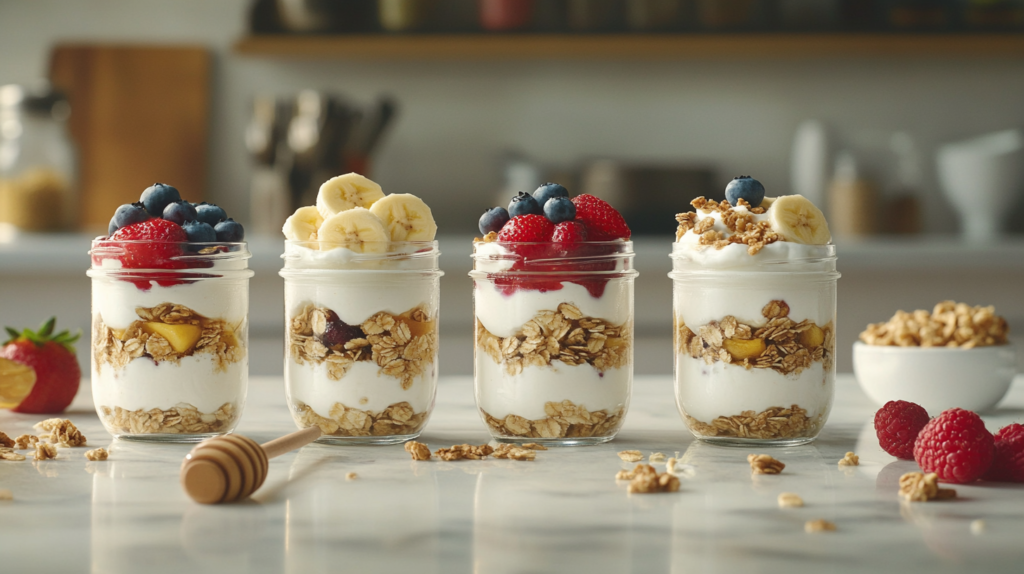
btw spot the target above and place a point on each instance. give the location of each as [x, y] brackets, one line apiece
[755, 344]
[170, 346]
[553, 349]
[361, 339]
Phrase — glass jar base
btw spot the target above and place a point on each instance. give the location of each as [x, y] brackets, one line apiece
[749, 442]
[366, 440]
[556, 442]
[169, 437]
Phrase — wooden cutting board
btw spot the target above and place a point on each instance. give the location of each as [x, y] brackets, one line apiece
[139, 114]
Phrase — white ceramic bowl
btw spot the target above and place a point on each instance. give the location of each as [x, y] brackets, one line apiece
[937, 378]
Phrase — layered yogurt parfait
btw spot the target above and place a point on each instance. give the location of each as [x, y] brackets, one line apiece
[170, 302]
[755, 307]
[361, 305]
[553, 300]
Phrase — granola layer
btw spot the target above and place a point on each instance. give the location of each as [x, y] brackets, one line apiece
[744, 229]
[771, 423]
[403, 346]
[564, 420]
[147, 338]
[563, 335]
[781, 344]
[183, 418]
[397, 419]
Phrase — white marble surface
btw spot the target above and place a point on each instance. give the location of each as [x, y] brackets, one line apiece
[561, 513]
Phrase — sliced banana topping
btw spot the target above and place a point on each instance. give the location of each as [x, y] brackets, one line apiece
[406, 217]
[345, 192]
[796, 219]
[303, 224]
[356, 229]
[767, 202]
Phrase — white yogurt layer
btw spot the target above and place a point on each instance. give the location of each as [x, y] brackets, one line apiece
[745, 297]
[706, 392]
[403, 256]
[310, 384]
[145, 384]
[219, 298]
[358, 295]
[504, 315]
[500, 394]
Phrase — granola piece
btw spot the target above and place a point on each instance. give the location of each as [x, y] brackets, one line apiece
[631, 455]
[97, 454]
[351, 476]
[6, 441]
[466, 451]
[819, 525]
[977, 526]
[644, 479]
[533, 446]
[6, 494]
[7, 454]
[790, 500]
[26, 441]
[656, 457]
[920, 487]
[63, 432]
[417, 450]
[850, 460]
[514, 452]
[45, 451]
[764, 464]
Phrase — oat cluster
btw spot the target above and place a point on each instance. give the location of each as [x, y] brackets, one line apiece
[631, 455]
[403, 346]
[565, 419]
[920, 487]
[464, 451]
[742, 226]
[819, 525]
[790, 500]
[781, 344]
[45, 451]
[644, 479]
[116, 347]
[764, 464]
[850, 460]
[656, 457]
[7, 453]
[97, 454]
[63, 432]
[950, 324]
[514, 452]
[563, 335]
[342, 420]
[182, 418]
[417, 450]
[6, 441]
[26, 441]
[774, 422]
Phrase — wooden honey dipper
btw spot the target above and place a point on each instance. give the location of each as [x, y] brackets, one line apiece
[232, 467]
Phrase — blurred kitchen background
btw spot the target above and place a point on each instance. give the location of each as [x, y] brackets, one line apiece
[900, 118]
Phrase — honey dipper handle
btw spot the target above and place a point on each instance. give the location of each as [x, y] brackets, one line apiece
[289, 442]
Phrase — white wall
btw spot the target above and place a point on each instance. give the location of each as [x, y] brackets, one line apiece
[457, 118]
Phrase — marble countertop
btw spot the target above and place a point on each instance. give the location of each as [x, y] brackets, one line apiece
[562, 512]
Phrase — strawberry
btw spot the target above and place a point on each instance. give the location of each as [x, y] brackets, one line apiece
[162, 249]
[569, 232]
[603, 222]
[51, 359]
[526, 228]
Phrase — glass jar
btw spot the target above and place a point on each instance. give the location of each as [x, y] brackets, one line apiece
[170, 358]
[553, 349]
[38, 174]
[755, 345]
[361, 340]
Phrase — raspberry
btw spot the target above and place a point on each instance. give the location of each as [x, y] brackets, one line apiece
[603, 222]
[1008, 464]
[569, 232]
[897, 425]
[956, 446]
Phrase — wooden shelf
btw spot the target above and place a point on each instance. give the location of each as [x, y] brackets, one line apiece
[631, 46]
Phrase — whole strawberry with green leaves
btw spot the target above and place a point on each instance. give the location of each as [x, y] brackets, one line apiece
[38, 370]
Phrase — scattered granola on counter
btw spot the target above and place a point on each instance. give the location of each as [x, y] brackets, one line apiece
[63, 432]
[764, 464]
[644, 479]
[97, 454]
[7, 454]
[920, 487]
[466, 451]
[5, 440]
[417, 450]
[820, 525]
[790, 500]
[514, 452]
[26, 441]
[351, 476]
[950, 324]
[6, 494]
[45, 451]
[850, 460]
[656, 457]
[631, 455]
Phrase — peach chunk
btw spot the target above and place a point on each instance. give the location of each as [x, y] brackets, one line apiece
[813, 337]
[181, 337]
[744, 348]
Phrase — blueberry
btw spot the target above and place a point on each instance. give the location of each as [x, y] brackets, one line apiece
[112, 228]
[493, 220]
[157, 197]
[129, 214]
[179, 212]
[747, 188]
[210, 213]
[559, 209]
[229, 231]
[199, 232]
[549, 190]
[524, 204]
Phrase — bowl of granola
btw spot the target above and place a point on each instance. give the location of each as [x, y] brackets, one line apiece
[953, 356]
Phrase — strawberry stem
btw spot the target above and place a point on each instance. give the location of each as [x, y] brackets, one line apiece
[45, 335]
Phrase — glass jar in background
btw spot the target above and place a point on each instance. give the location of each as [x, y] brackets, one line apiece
[755, 346]
[917, 14]
[506, 15]
[405, 15]
[553, 349]
[594, 15]
[653, 15]
[38, 166]
[992, 14]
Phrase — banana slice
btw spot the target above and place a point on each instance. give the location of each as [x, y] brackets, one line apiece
[356, 229]
[767, 202]
[796, 219]
[406, 217]
[345, 192]
[303, 224]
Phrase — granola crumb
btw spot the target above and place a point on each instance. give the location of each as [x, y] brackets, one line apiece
[351, 476]
[63, 432]
[97, 454]
[6, 494]
[8, 454]
[417, 450]
[5, 440]
[820, 525]
[45, 451]
[464, 451]
[790, 500]
[534, 446]
[656, 457]
[920, 487]
[644, 479]
[850, 460]
[631, 455]
[670, 464]
[514, 452]
[26, 441]
[977, 526]
[764, 464]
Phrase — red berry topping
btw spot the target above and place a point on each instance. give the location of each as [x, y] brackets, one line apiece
[526, 228]
[151, 255]
[956, 446]
[569, 232]
[603, 222]
[1008, 464]
[897, 425]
